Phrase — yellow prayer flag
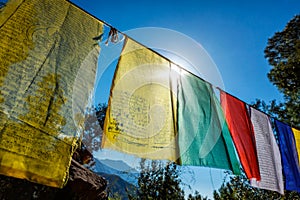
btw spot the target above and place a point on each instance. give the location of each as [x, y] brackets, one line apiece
[297, 140]
[48, 64]
[140, 117]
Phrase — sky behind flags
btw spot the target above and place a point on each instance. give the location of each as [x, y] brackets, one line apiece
[135, 125]
[151, 98]
[234, 34]
[175, 20]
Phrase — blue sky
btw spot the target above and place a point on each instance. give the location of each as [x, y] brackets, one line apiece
[234, 33]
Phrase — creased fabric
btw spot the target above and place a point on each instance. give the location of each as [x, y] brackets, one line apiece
[140, 116]
[269, 158]
[204, 138]
[150, 99]
[48, 65]
[241, 130]
[289, 156]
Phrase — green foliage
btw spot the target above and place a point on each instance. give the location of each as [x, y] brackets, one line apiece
[283, 54]
[196, 196]
[158, 182]
[238, 187]
[93, 127]
[100, 111]
[273, 109]
[115, 196]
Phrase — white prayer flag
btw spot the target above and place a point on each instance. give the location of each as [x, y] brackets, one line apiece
[269, 158]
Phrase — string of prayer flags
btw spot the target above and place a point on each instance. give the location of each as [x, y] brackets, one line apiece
[140, 116]
[156, 110]
[142, 113]
[269, 158]
[204, 139]
[297, 140]
[160, 111]
[48, 65]
[289, 156]
[241, 130]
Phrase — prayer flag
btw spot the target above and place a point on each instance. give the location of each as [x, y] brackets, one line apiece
[289, 156]
[297, 140]
[269, 158]
[204, 138]
[142, 113]
[241, 130]
[140, 116]
[48, 64]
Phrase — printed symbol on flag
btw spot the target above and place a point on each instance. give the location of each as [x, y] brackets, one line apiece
[142, 94]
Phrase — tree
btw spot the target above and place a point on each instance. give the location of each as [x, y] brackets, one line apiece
[283, 54]
[196, 196]
[158, 181]
[238, 187]
[273, 109]
[93, 127]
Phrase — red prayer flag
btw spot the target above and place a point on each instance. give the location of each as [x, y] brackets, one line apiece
[242, 133]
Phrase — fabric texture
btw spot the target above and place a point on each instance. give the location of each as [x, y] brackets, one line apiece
[140, 116]
[241, 130]
[269, 158]
[48, 64]
[204, 138]
[289, 156]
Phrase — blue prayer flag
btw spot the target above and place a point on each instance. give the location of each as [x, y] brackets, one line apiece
[287, 145]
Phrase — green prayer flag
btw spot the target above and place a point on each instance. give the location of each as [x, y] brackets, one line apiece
[204, 138]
